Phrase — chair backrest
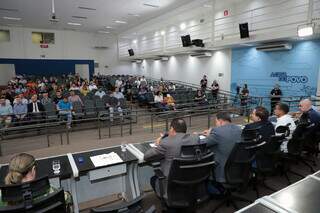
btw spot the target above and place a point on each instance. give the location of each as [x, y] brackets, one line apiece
[77, 107]
[113, 101]
[238, 165]
[89, 106]
[123, 103]
[21, 197]
[284, 130]
[305, 137]
[186, 182]
[51, 203]
[268, 156]
[50, 110]
[250, 135]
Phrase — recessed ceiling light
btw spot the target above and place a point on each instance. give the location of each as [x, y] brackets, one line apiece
[163, 32]
[183, 26]
[135, 41]
[305, 30]
[108, 27]
[132, 14]
[79, 17]
[151, 5]
[120, 22]
[12, 18]
[74, 24]
[101, 31]
[9, 9]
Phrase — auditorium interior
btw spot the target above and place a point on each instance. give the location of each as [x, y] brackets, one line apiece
[148, 106]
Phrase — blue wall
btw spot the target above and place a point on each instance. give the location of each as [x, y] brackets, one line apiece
[46, 67]
[296, 70]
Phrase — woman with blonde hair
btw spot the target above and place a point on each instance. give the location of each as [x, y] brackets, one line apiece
[22, 168]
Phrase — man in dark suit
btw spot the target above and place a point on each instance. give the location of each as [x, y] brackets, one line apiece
[221, 141]
[35, 108]
[169, 147]
[260, 116]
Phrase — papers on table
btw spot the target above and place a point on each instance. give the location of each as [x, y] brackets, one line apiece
[106, 159]
[152, 144]
[202, 137]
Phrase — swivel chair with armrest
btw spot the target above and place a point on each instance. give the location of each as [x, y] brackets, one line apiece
[186, 185]
[301, 137]
[238, 173]
[32, 196]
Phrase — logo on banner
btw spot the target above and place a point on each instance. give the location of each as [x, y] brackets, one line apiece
[295, 79]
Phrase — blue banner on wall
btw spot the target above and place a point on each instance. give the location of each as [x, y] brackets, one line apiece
[296, 70]
[46, 67]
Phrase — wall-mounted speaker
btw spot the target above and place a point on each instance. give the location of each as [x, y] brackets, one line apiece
[186, 41]
[198, 42]
[131, 52]
[244, 30]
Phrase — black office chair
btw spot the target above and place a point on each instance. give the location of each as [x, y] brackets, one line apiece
[238, 173]
[295, 151]
[250, 135]
[268, 161]
[27, 197]
[186, 184]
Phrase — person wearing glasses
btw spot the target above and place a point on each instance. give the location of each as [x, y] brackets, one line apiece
[22, 168]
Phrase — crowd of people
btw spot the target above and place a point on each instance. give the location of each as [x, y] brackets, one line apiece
[25, 97]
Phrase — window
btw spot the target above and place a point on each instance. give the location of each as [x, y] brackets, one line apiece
[4, 36]
[42, 38]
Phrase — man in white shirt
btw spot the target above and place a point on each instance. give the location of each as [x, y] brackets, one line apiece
[118, 83]
[118, 95]
[281, 111]
[100, 93]
[92, 86]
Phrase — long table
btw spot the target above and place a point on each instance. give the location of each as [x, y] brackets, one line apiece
[300, 197]
[87, 182]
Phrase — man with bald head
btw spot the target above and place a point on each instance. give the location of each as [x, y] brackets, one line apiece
[308, 112]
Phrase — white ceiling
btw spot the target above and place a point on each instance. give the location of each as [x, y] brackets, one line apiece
[36, 13]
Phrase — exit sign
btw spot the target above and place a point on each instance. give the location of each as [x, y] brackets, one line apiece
[44, 46]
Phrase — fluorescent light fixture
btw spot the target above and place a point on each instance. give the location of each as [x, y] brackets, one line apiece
[305, 30]
[108, 27]
[132, 14]
[12, 18]
[151, 5]
[207, 5]
[101, 31]
[74, 24]
[163, 32]
[8, 9]
[120, 22]
[86, 8]
[79, 17]
[183, 26]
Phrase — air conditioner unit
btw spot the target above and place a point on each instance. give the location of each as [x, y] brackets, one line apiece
[275, 47]
[201, 54]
